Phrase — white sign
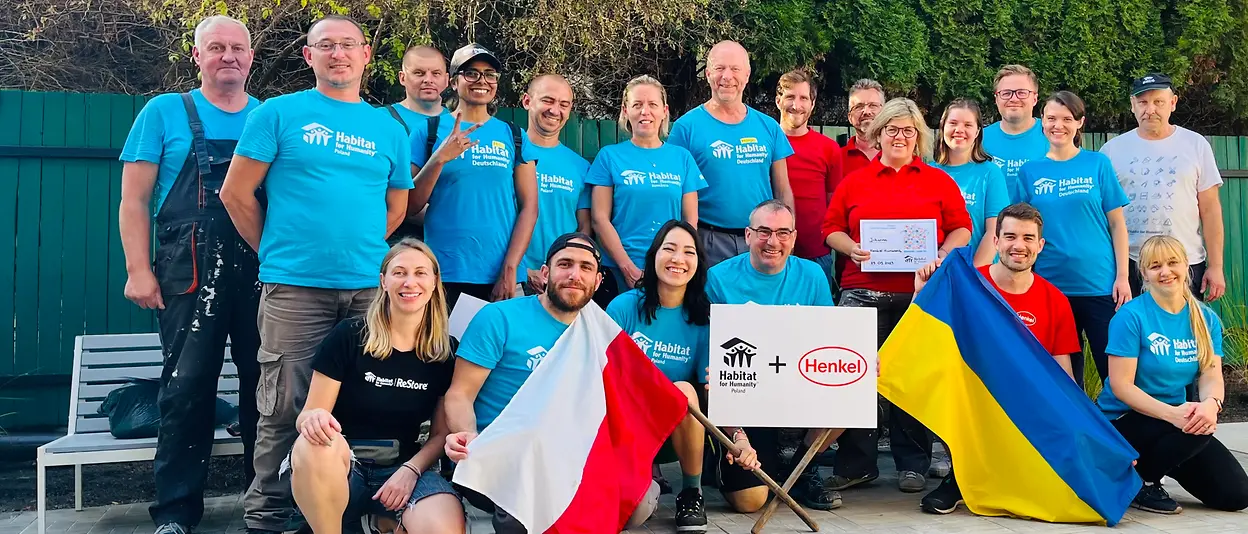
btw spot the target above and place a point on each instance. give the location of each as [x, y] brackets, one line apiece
[465, 309]
[898, 245]
[793, 366]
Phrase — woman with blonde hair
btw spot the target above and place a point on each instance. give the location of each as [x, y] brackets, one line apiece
[377, 379]
[895, 185]
[1159, 343]
[640, 184]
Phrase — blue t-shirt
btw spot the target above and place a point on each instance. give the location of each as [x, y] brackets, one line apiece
[647, 187]
[1074, 196]
[983, 188]
[677, 347]
[160, 135]
[509, 338]
[472, 209]
[735, 159]
[561, 190]
[1011, 151]
[412, 118]
[736, 281]
[331, 165]
[1164, 348]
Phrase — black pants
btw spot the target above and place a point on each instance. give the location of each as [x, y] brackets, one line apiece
[1092, 315]
[193, 332]
[1197, 272]
[1201, 464]
[911, 442]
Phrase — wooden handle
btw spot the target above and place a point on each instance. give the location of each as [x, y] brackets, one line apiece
[820, 443]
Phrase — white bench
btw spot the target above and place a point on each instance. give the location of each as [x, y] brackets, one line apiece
[103, 363]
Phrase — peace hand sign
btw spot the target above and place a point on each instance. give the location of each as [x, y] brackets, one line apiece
[455, 144]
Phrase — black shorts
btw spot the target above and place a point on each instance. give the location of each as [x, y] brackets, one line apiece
[766, 441]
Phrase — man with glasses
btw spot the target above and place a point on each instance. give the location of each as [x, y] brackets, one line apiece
[477, 174]
[739, 149]
[769, 275]
[1018, 137]
[336, 174]
[866, 99]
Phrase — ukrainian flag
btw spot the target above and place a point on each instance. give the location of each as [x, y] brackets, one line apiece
[1025, 439]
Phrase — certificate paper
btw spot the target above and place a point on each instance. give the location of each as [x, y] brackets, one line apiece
[898, 245]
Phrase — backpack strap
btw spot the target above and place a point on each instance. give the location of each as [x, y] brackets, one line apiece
[395, 113]
[432, 139]
[198, 142]
[517, 138]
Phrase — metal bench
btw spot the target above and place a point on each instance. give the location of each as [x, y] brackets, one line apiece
[103, 363]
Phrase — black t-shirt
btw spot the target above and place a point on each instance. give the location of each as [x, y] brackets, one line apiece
[381, 399]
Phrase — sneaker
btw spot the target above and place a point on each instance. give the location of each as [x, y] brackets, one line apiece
[840, 483]
[173, 528]
[940, 468]
[665, 487]
[911, 482]
[263, 531]
[1153, 498]
[813, 492]
[944, 499]
[690, 511]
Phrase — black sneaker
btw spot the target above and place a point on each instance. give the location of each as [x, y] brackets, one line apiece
[173, 528]
[944, 499]
[840, 483]
[1153, 498]
[813, 492]
[690, 511]
[262, 531]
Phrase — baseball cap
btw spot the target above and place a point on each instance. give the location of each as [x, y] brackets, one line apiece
[568, 240]
[1150, 81]
[472, 51]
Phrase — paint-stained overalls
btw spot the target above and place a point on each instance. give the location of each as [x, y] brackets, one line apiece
[208, 279]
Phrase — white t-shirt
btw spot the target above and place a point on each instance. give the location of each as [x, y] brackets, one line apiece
[1161, 178]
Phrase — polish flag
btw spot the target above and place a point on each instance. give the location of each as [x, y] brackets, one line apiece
[572, 450]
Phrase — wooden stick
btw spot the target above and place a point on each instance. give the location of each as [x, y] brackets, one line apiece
[775, 488]
[818, 445]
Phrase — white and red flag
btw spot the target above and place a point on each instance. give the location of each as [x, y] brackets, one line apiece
[572, 451]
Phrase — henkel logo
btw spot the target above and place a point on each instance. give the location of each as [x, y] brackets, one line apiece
[832, 366]
[315, 134]
[1027, 318]
[1045, 185]
[721, 149]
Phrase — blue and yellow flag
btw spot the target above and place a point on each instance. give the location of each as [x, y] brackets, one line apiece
[1025, 439]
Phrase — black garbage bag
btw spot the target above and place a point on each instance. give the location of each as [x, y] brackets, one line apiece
[133, 412]
[131, 409]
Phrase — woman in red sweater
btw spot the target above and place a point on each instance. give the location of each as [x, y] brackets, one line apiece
[897, 185]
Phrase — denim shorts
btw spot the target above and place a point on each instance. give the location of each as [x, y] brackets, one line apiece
[366, 478]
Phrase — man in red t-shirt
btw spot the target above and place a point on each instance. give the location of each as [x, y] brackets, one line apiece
[814, 167]
[1038, 303]
[866, 99]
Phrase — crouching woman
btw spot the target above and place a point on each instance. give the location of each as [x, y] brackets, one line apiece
[376, 380]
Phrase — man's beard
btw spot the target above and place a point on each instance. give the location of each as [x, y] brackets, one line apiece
[552, 293]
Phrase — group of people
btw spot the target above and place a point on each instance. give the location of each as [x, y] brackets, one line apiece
[329, 239]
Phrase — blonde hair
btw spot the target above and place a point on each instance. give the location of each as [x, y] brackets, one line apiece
[664, 126]
[433, 340]
[1162, 248]
[902, 108]
[1015, 70]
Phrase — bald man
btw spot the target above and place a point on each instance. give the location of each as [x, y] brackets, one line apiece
[740, 150]
[562, 196]
[424, 78]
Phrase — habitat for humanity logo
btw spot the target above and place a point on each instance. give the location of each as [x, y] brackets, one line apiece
[380, 381]
[1045, 186]
[738, 354]
[721, 149]
[316, 134]
[633, 177]
[536, 354]
[644, 343]
[1159, 344]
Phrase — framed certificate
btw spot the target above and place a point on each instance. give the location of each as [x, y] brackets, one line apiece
[898, 245]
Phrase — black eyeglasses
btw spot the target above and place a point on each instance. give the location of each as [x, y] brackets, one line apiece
[474, 76]
[1011, 93]
[765, 233]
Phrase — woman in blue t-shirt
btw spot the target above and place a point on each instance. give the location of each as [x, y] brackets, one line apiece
[960, 153]
[668, 316]
[641, 183]
[1160, 343]
[376, 380]
[1085, 232]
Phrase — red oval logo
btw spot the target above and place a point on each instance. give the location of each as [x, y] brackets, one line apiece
[1027, 318]
[832, 366]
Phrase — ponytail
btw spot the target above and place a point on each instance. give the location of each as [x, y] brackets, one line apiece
[1200, 330]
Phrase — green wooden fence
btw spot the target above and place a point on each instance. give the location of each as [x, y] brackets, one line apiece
[61, 266]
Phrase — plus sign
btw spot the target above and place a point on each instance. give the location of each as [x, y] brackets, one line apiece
[777, 364]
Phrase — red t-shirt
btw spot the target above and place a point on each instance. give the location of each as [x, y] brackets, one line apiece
[852, 158]
[1046, 312]
[917, 191]
[814, 171]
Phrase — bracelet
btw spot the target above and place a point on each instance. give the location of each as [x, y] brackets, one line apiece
[414, 470]
[738, 431]
[1218, 402]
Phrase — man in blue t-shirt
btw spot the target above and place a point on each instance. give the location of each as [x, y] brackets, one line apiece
[562, 196]
[336, 174]
[740, 151]
[203, 287]
[502, 346]
[1018, 137]
[770, 275]
[475, 174]
[424, 79]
